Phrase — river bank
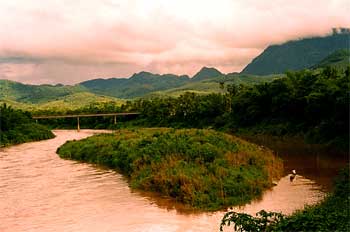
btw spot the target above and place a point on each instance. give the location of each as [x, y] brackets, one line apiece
[17, 126]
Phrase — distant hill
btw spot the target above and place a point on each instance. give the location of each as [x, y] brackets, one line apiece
[206, 73]
[58, 97]
[149, 84]
[339, 58]
[298, 54]
[212, 85]
[143, 84]
[15, 91]
[69, 102]
[137, 85]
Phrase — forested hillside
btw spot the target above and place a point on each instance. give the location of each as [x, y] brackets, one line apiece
[339, 58]
[137, 85]
[297, 54]
[143, 84]
[59, 97]
[15, 91]
[206, 73]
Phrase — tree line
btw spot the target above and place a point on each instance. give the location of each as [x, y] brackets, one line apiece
[17, 126]
[309, 103]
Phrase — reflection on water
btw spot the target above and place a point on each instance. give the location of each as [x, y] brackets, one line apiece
[312, 161]
[286, 196]
[41, 192]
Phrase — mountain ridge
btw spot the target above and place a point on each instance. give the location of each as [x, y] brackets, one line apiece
[143, 83]
[297, 54]
[206, 73]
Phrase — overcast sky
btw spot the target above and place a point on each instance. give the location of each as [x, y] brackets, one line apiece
[68, 41]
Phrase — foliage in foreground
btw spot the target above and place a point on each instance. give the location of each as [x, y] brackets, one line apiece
[201, 168]
[17, 127]
[245, 222]
[332, 214]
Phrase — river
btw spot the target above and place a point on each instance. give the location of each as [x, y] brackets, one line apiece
[41, 192]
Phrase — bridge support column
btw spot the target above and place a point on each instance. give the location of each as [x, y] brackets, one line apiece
[78, 124]
[115, 119]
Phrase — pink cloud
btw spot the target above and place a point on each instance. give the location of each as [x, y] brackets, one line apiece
[70, 41]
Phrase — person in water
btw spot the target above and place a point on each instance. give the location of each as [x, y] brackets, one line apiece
[293, 175]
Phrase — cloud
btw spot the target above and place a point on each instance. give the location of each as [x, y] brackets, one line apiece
[70, 41]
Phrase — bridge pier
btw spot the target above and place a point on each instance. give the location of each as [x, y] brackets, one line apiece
[78, 124]
[115, 119]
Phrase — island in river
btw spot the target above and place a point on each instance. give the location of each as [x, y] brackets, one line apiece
[203, 169]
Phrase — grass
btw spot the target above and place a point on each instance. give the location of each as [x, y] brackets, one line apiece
[203, 169]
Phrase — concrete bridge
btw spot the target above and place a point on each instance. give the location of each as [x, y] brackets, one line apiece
[85, 115]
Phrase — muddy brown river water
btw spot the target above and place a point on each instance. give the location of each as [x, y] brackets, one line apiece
[41, 192]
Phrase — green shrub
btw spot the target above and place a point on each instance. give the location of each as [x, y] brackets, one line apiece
[17, 126]
[201, 168]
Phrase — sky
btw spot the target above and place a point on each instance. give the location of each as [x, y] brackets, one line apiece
[65, 41]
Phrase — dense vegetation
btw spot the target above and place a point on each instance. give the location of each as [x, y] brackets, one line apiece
[298, 54]
[332, 214]
[312, 104]
[337, 59]
[17, 126]
[201, 168]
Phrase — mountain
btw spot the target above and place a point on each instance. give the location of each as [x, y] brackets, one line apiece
[143, 84]
[41, 97]
[146, 83]
[213, 85]
[339, 58]
[68, 102]
[298, 54]
[15, 91]
[137, 85]
[206, 73]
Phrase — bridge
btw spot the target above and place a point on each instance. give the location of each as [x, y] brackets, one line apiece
[85, 115]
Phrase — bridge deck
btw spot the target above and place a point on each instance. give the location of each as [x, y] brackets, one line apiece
[83, 115]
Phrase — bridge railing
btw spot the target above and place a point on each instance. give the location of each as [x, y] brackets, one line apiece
[85, 115]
